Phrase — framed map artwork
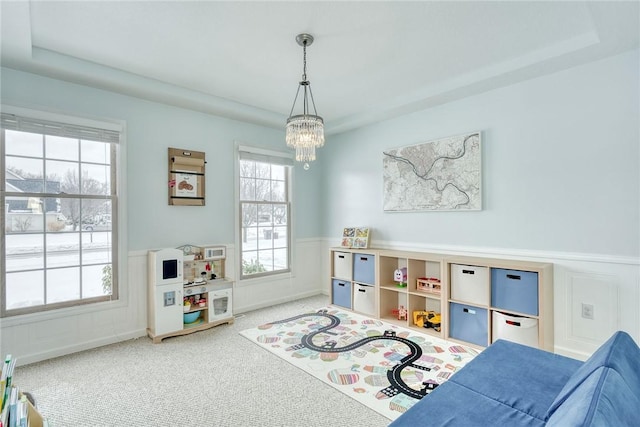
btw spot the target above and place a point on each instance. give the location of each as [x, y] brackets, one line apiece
[440, 175]
[355, 237]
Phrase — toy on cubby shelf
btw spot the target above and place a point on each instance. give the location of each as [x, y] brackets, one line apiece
[200, 300]
[400, 312]
[427, 319]
[400, 276]
[429, 284]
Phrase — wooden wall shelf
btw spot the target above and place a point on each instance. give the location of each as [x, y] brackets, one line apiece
[186, 177]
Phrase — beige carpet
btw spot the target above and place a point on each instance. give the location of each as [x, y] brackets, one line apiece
[211, 378]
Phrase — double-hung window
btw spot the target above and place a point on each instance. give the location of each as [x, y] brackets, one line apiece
[59, 194]
[265, 212]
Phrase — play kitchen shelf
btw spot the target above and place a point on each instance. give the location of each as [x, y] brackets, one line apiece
[188, 291]
[471, 300]
[186, 177]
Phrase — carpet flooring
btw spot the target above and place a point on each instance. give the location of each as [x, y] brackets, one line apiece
[210, 378]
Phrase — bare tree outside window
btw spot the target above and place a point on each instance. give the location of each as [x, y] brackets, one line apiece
[70, 207]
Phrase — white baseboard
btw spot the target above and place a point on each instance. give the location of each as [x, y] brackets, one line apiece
[86, 345]
[564, 351]
[276, 301]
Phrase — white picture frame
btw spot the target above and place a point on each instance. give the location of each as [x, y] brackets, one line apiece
[355, 237]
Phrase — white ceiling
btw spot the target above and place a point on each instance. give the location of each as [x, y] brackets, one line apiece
[370, 60]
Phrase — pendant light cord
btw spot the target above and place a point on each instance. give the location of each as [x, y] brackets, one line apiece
[307, 87]
[304, 61]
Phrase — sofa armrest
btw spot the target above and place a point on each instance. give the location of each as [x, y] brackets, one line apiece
[619, 353]
[604, 398]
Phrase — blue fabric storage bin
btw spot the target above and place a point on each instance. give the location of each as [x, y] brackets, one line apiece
[342, 293]
[514, 290]
[364, 268]
[469, 323]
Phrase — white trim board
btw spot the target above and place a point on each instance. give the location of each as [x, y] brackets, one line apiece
[499, 252]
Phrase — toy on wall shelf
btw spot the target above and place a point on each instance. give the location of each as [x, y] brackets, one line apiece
[400, 276]
[400, 312]
[427, 319]
[429, 284]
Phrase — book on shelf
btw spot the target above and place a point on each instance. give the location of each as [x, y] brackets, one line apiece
[15, 408]
[23, 411]
[5, 380]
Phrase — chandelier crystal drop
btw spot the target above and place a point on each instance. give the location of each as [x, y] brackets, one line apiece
[305, 132]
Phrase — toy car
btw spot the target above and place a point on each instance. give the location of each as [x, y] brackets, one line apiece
[433, 321]
[427, 319]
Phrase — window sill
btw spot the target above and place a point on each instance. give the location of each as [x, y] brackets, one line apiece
[265, 279]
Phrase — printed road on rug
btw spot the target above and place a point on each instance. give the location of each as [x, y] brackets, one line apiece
[384, 366]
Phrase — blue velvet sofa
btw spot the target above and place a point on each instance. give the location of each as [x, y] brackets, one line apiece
[509, 384]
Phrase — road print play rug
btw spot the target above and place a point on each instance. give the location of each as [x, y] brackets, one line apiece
[384, 366]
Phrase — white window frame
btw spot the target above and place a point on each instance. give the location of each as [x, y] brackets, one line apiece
[119, 258]
[278, 157]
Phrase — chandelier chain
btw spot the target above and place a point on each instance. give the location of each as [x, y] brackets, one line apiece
[304, 61]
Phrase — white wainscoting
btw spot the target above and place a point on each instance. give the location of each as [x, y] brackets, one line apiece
[35, 337]
[611, 284]
[40, 336]
[305, 279]
[613, 288]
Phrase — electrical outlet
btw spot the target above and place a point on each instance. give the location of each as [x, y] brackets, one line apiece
[587, 311]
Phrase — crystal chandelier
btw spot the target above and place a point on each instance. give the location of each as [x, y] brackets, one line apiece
[305, 131]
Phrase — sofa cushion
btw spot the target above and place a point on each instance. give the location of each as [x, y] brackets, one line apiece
[524, 378]
[602, 399]
[452, 404]
[619, 353]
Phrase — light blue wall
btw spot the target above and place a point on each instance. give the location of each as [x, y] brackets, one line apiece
[561, 164]
[560, 168]
[151, 129]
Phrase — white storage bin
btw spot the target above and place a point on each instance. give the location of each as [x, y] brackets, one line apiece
[520, 329]
[342, 265]
[364, 299]
[470, 284]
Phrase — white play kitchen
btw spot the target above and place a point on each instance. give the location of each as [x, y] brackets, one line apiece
[187, 291]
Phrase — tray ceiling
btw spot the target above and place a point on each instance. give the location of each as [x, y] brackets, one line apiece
[370, 60]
